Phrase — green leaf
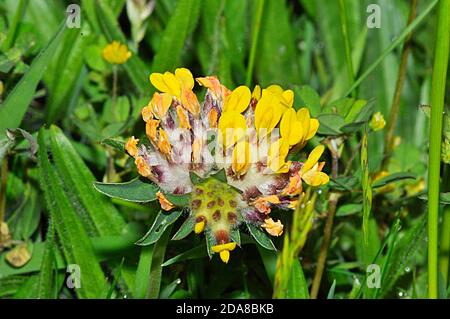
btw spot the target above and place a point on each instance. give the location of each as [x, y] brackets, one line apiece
[162, 221]
[175, 35]
[143, 272]
[74, 240]
[78, 179]
[156, 268]
[392, 178]
[260, 236]
[310, 99]
[298, 287]
[193, 253]
[276, 55]
[13, 109]
[178, 200]
[349, 209]
[116, 144]
[330, 124]
[136, 190]
[63, 79]
[46, 274]
[185, 229]
[330, 294]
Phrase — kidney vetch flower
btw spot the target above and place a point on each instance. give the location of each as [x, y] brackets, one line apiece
[228, 155]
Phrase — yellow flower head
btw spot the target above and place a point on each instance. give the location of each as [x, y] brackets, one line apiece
[253, 134]
[116, 53]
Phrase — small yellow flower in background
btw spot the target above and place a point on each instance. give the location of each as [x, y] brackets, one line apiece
[116, 53]
[377, 122]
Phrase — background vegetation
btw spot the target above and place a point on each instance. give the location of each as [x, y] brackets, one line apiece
[57, 88]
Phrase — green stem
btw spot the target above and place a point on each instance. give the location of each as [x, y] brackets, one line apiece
[348, 55]
[444, 258]
[255, 35]
[395, 107]
[394, 44]
[441, 54]
[4, 174]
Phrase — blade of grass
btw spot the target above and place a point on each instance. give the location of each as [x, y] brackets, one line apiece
[13, 109]
[46, 274]
[12, 30]
[143, 272]
[348, 55]
[444, 257]
[441, 55]
[175, 35]
[254, 45]
[411, 27]
[366, 190]
[159, 251]
[74, 240]
[395, 106]
[78, 180]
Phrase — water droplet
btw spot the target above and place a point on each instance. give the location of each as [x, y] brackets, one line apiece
[400, 294]
[178, 281]
[319, 191]
[125, 296]
[407, 269]
[302, 205]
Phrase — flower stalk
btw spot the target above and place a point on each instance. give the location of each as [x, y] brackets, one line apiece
[441, 56]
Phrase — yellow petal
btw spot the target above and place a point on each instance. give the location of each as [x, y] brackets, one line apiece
[166, 83]
[304, 118]
[256, 94]
[183, 117]
[228, 246]
[232, 125]
[290, 128]
[288, 97]
[131, 146]
[185, 77]
[150, 129]
[238, 100]
[272, 227]
[315, 178]
[163, 142]
[199, 227]
[313, 127]
[160, 104]
[276, 159]
[190, 102]
[313, 158]
[164, 202]
[241, 158]
[274, 88]
[268, 113]
[225, 256]
[142, 167]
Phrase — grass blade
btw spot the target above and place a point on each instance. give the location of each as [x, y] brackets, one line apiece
[437, 101]
[74, 240]
[17, 102]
